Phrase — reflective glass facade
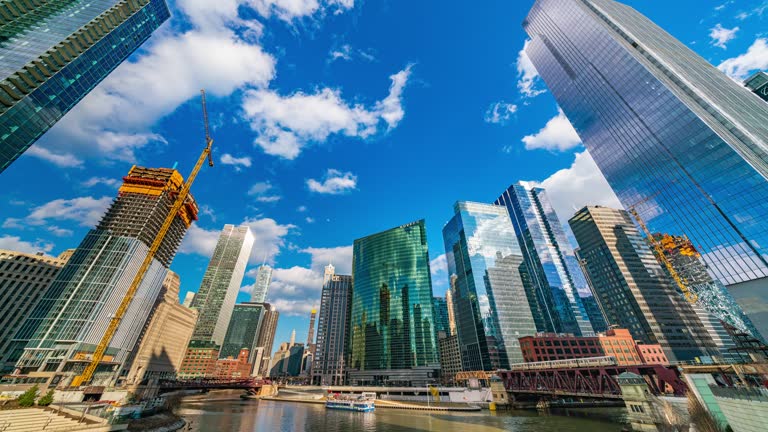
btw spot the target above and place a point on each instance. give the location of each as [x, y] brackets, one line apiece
[54, 53]
[261, 287]
[563, 301]
[392, 324]
[668, 130]
[441, 316]
[332, 350]
[491, 305]
[243, 330]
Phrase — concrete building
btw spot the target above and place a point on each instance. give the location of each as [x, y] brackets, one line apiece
[188, 298]
[165, 340]
[261, 287]
[558, 294]
[30, 275]
[73, 315]
[83, 41]
[331, 354]
[216, 297]
[633, 289]
[617, 343]
[449, 305]
[268, 328]
[675, 137]
[450, 359]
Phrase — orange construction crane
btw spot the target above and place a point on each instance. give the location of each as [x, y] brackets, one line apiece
[181, 198]
[658, 248]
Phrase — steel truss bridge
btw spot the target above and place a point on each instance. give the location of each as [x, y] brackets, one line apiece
[251, 385]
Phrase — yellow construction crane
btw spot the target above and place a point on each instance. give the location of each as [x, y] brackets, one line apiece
[101, 348]
[659, 249]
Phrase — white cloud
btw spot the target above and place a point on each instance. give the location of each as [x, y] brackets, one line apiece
[557, 135]
[106, 181]
[347, 53]
[63, 160]
[13, 223]
[334, 182]
[87, 211]
[17, 244]
[528, 77]
[264, 192]
[59, 232]
[228, 159]
[309, 220]
[289, 10]
[286, 124]
[439, 265]
[340, 257]
[756, 58]
[301, 209]
[581, 184]
[500, 112]
[721, 36]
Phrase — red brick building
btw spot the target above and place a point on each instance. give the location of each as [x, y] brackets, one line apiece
[200, 360]
[616, 343]
[234, 367]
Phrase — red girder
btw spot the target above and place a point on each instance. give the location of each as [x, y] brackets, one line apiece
[598, 381]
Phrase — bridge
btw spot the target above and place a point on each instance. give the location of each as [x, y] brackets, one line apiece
[249, 384]
[593, 378]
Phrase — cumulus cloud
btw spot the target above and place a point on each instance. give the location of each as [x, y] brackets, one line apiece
[334, 182]
[740, 67]
[439, 265]
[500, 112]
[721, 36]
[527, 76]
[577, 186]
[557, 135]
[106, 181]
[287, 124]
[86, 211]
[63, 160]
[237, 162]
[17, 244]
[264, 192]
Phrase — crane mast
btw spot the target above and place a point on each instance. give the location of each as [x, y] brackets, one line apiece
[181, 198]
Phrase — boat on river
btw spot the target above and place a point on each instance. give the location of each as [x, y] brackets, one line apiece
[357, 403]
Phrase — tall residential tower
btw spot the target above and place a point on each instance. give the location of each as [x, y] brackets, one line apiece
[331, 354]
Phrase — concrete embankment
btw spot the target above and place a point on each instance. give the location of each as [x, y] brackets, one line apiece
[379, 403]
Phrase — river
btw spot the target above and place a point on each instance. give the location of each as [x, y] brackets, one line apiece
[268, 416]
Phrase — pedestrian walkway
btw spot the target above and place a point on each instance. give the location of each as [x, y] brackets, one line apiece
[39, 419]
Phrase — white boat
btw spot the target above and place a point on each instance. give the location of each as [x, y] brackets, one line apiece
[362, 403]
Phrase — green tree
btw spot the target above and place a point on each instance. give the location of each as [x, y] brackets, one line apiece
[27, 399]
[47, 399]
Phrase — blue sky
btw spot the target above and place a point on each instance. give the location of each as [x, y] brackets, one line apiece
[332, 119]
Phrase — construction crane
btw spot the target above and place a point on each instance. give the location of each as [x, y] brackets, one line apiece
[659, 249]
[114, 323]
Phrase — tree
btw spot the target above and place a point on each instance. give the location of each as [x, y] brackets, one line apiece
[47, 399]
[27, 399]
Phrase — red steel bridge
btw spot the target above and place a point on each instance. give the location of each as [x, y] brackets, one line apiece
[586, 378]
[251, 385]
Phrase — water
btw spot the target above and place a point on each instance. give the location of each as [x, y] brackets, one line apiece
[248, 416]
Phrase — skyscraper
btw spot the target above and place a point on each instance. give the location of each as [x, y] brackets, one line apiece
[634, 290]
[261, 287]
[311, 332]
[674, 137]
[491, 305]
[441, 316]
[53, 54]
[243, 330]
[331, 353]
[393, 331]
[560, 298]
[268, 328]
[758, 83]
[24, 280]
[216, 297]
[73, 315]
[449, 305]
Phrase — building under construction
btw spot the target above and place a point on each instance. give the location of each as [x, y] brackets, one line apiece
[71, 319]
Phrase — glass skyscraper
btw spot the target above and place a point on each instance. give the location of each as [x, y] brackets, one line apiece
[441, 316]
[261, 287]
[560, 298]
[53, 53]
[393, 327]
[243, 330]
[490, 302]
[674, 136]
[332, 350]
[216, 297]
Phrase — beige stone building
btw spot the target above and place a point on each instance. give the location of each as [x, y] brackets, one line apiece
[165, 338]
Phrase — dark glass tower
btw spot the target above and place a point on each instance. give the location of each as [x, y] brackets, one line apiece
[563, 302]
[332, 350]
[672, 134]
[54, 52]
[393, 329]
[490, 302]
[243, 330]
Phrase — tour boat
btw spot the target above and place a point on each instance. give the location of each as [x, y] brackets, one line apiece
[363, 403]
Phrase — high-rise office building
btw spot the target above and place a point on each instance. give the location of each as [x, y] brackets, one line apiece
[635, 292]
[243, 330]
[393, 332]
[449, 305]
[676, 138]
[261, 287]
[52, 54]
[70, 320]
[311, 332]
[216, 297]
[441, 316]
[24, 280]
[164, 342]
[758, 83]
[331, 354]
[491, 304]
[268, 328]
[188, 299]
[560, 298]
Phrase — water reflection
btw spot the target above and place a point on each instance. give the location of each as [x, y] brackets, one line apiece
[252, 416]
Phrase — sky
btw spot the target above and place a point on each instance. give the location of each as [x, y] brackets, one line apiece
[332, 120]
